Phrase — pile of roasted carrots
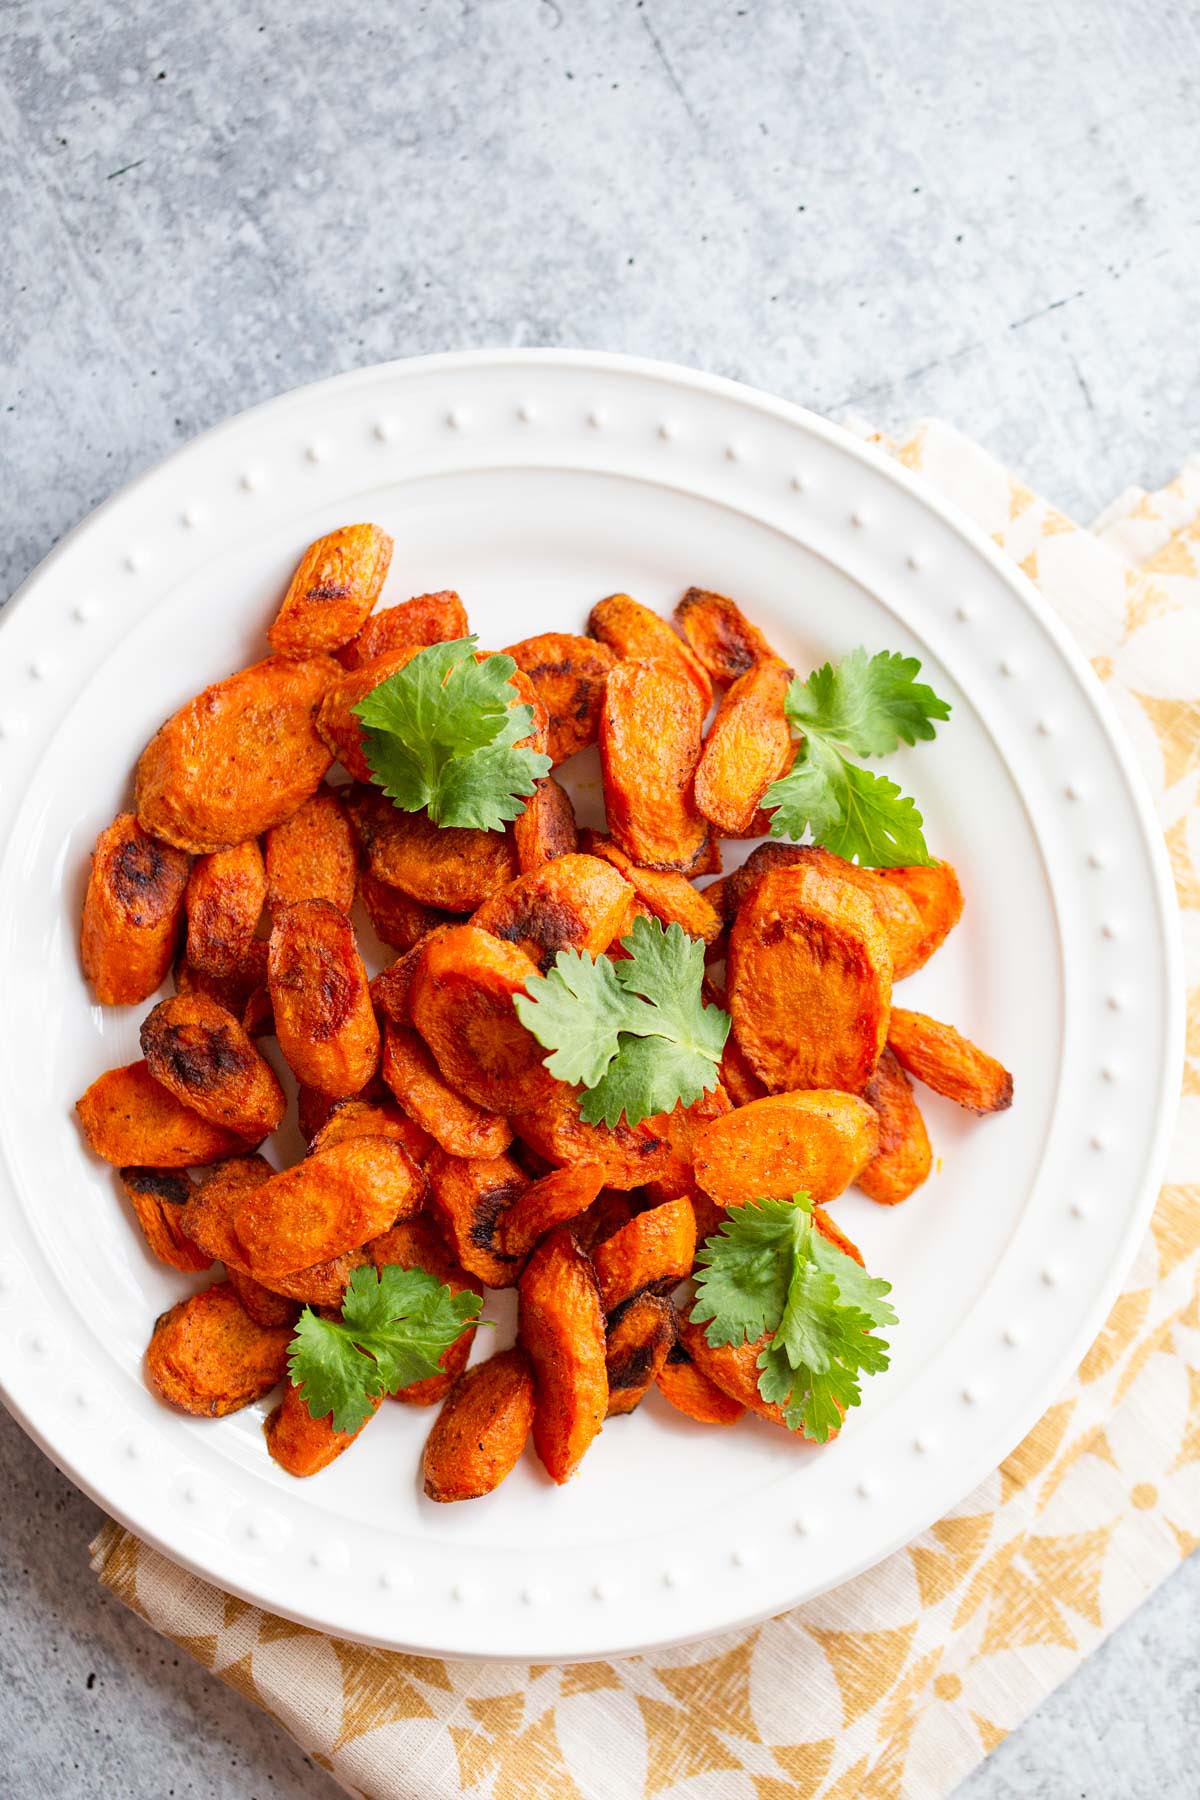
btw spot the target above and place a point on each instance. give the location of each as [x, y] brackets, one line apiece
[437, 1138]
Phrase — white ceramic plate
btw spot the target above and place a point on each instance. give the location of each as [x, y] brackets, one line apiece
[535, 484]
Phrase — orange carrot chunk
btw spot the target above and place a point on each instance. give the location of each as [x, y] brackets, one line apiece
[904, 1157]
[562, 1328]
[335, 586]
[132, 912]
[481, 1430]
[949, 1063]
[207, 1356]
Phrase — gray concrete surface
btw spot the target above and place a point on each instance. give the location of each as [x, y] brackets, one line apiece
[880, 209]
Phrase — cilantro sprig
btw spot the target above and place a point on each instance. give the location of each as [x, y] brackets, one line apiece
[769, 1269]
[861, 706]
[635, 1033]
[442, 733]
[394, 1328]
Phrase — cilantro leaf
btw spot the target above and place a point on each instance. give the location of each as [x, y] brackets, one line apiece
[666, 967]
[395, 1326]
[849, 810]
[649, 1075]
[867, 705]
[861, 706]
[578, 1010]
[768, 1273]
[636, 1033]
[441, 733]
[745, 1284]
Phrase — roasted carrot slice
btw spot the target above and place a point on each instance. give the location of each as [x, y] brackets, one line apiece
[264, 1305]
[396, 918]
[562, 1327]
[481, 1430]
[720, 635]
[237, 759]
[720, 895]
[131, 912]
[201, 1054]
[655, 1250]
[664, 894]
[749, 745]
[740, 882]
[313, 855]
[333, 1201]
[457, 1124]
[225, 896]
[611, 1209]
[209, 1217]
[461, 1002]
[335, 586]
[628, 1155]
[470, 1197]
[568, 674]
[815, 1140]
[324, 1019]
[129, 1118]
[894, 908]
[235, 991]
[733, 1368]
[312, 1110]
[552, 1200]
[708, 1213]
[737, 1075]
[936, 896]
[372, 1118]
[809, 982]
[691, 1392]
[833, 1235]
[681, 1128]
[390, 989]
[324, 1283]
[206, 1217]
[454, 867]
[158, 1197]
[904, 1157]
[650, 737]
[208, 1357]
[949, 1063]
[301, 1444]
[426, 619]
[637, 634]
[896, 912]
[546, 829]
[573, 903]
[639, 1339]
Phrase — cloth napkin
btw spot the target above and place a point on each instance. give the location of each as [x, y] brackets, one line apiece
[894, 1686]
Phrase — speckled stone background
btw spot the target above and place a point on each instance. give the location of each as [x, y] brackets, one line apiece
[877, 209]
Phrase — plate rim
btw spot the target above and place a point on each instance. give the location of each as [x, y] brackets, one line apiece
[1164, 894]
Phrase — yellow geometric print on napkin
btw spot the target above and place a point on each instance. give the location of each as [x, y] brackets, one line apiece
[895, 1685]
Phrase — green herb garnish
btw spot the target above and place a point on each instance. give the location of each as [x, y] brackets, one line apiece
[769, 1269]
[635, 1033]
[395, 1327]
[862, 706]
[441, 733]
